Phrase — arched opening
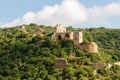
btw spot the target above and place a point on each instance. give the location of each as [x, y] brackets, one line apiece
[67, 36]
[59, 37]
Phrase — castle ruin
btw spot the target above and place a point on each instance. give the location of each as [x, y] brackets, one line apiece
[60, 63]
[38, 31]
[90, 46]
[61, 32]
[77, 37]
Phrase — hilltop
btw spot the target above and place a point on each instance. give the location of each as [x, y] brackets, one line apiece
[26, 56]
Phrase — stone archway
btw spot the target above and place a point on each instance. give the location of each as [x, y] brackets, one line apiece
[59, 37]
[67, 36]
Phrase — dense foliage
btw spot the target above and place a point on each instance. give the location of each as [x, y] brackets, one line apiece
[24, 57]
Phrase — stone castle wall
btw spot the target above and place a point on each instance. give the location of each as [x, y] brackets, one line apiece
[91, 47]
[77, 37]
[38, 31]
[60, 29]
[61, 33]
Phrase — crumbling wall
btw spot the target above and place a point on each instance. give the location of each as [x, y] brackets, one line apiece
[60, 63]
[38, 31]
[60, 33]
[60, 29]
[77, 37]
[91, 47]
[59, 36]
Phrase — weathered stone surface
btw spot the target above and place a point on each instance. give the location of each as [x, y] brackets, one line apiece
[117, 63]
[38, 31]
[61, 33]
[109, 66]
[91, 47]
[98, 65]
[77, 37]
[22, 28]
[60, 29]
[60, 63]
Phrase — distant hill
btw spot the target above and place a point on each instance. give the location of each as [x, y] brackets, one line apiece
[24, 57]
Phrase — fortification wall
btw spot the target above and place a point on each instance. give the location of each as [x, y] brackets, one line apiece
[91, 47]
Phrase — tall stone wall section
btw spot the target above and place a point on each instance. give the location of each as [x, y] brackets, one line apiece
[77, 38]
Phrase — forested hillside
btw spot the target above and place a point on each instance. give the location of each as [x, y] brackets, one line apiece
[24, 57]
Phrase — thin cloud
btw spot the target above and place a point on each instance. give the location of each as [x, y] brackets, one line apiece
[69, 12]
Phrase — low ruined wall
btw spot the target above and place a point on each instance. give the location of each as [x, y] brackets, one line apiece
[60, 63]
[91, 47]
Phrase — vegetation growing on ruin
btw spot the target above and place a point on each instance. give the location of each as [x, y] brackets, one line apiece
[24, 57]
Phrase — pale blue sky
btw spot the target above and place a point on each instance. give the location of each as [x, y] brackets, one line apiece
[13, 9]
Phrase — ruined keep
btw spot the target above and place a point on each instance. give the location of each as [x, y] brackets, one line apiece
[61, 32]
[77, 37]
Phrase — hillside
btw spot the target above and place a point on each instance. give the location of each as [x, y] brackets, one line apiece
[24, 57]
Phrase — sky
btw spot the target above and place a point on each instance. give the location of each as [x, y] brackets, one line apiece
[77, 13]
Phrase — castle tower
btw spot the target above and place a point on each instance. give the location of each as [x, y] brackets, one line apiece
[78, 38]
[59, 28]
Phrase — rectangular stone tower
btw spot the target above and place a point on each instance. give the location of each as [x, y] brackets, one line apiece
[77, 38]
